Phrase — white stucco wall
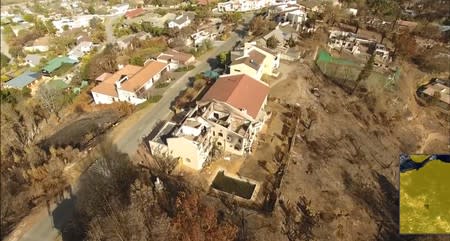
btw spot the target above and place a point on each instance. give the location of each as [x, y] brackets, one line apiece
[103, 99]
[189, 152]
[245, 69]
[38, 48]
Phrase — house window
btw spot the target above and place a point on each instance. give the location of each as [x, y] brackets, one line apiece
[220, 134]
[214, 133]
[219, 143]
[237, 70]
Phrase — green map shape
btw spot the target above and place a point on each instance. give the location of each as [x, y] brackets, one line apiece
[425, 198]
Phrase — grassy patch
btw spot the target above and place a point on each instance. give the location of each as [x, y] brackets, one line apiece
[161, 85]
[154, 98]
[185, 68]
[62, 70]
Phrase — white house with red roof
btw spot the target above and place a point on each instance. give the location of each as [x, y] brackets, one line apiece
[128, 84]
[175, 59]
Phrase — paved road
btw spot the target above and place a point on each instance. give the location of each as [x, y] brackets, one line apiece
[160, 111]
[109, 29]
[4, 46]
[40, 225]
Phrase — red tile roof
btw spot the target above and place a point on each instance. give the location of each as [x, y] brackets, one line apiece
[138, 80]
[134, 13]
[107, 86]
[172, 54]
[240, 91]
[103, 76]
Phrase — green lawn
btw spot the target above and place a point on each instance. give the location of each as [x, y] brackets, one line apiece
[57, 84]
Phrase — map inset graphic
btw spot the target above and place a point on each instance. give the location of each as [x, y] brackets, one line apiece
[425, 194]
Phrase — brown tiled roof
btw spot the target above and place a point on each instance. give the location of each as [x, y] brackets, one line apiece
[240, 91]
[103, 76]
[253, 60]
[140, 78]
[108, 87]
[134, 13]
[176, 55]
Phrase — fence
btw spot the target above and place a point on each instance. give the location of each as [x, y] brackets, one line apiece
[345, 72]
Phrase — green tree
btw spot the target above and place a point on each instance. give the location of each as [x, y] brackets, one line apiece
[50, 27]
[40, 27]
[232, 17]
[146, 27]
[4, 60]
[16, 51]
[29, 18]
[365, 72]
[8, 33]
[272, 42]
[137, 60]
[66, 27]
[98, 30]
[136, 27]
[223, 58]
[91, 9]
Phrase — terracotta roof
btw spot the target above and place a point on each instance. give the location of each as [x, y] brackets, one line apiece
[134, 13]
[240, 91]
[108, 87]
[205, 2]
[103, 76]
[140, 78]
[253, 60]
[175, 55]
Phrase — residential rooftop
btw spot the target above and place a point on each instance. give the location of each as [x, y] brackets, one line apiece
[240, 91]
[138, 80]
[23, 80]
[107, 86]
[254, 60]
